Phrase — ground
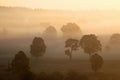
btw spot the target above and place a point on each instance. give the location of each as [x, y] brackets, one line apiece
[109, 71]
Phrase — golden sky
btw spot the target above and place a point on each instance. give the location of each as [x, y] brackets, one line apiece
[65, 4]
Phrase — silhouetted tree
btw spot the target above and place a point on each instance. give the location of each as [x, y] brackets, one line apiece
[20, 66]
[20, 63]
[73, 44]
[50, 32]
[90, 44]
[96, 62]
[71, 30]
[38, 47]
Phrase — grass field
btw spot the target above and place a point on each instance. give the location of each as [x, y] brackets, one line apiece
[109, 71]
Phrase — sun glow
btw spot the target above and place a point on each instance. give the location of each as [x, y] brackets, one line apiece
[64, 4]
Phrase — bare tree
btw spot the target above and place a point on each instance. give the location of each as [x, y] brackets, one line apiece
[38, 47]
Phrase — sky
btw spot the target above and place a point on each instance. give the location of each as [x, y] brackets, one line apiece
[65, 4]
[111, 21]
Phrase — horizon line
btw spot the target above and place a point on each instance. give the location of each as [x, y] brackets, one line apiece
[25, 7]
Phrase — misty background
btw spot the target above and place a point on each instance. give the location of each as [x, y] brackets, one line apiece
[18, 27]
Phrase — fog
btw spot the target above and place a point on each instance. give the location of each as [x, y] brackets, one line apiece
[18, 27]
[18, 20]
[45, 44]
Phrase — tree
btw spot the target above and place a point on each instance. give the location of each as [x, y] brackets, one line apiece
[96, 62]
[20, 67]
[114, 42]
[71, 30]
[20, 63]
[38, 47]
[73, 44]
[90, 44]
[50, 32]
[115, 39]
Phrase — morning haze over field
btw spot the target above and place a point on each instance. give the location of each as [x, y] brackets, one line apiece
[92, 16]
[59, 39]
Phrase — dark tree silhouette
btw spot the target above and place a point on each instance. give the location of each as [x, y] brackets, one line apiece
[71, 30]
[96, 62]
[50, 32]
[90, 44]
[20, 67]
[20, 63]
[38, 47]
[73, 44]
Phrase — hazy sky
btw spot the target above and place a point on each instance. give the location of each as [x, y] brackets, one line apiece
[64, 4]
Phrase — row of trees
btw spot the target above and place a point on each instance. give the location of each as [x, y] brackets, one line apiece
[20, 70]
[68, 30]
[89, 43]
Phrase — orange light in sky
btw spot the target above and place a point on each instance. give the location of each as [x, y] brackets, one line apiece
[64, 4]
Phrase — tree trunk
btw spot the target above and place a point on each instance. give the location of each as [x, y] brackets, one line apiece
[71, 55]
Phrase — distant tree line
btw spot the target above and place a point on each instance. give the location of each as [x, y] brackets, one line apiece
[20, 65]
[70, 30]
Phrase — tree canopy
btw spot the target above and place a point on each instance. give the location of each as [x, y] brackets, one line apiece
[115, 39]
[71, 30]
[73, 44]
[90, 44]
[20, 63]
[50, 32]
[96, 62]
[38, 47]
